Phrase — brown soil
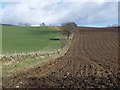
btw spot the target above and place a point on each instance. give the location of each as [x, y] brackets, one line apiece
[91, 61]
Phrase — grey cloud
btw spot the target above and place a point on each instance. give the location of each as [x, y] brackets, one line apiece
[60, 12]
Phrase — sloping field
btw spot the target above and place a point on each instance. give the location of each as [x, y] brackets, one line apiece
[28, 39]
[91, 61]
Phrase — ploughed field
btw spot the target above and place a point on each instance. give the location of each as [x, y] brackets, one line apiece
[91, 61]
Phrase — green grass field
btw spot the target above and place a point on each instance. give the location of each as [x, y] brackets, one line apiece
[26, 39]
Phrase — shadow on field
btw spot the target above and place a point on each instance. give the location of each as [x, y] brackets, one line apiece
[55, 39]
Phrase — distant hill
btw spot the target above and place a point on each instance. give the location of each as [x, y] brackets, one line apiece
[7, 25]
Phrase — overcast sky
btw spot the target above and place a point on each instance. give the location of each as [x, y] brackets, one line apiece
[55, 12]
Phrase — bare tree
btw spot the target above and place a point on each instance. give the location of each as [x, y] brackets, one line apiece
[42, 24]
[26, 24]
[68, 28]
